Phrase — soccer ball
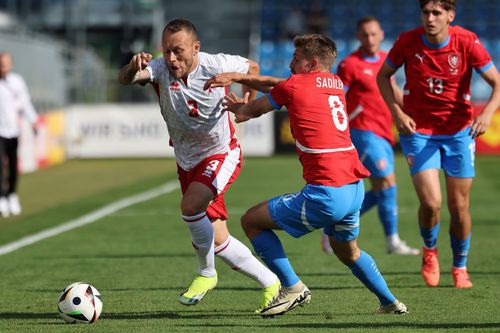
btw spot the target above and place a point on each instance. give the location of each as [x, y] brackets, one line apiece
[80, 303]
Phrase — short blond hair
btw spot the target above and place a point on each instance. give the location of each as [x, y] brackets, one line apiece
[316, 45]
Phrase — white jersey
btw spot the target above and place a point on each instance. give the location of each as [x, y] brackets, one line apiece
[14, 100]
[196, 123]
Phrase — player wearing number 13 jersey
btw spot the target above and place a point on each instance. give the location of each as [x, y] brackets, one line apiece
[332, 196]
[207, 152]
[437, 128]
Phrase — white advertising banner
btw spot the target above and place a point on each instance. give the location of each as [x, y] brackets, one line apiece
[257, 135]
[138, 130]
[116, 130]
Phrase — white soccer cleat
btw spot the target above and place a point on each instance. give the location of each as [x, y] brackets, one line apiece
[4, 207]
[402, 249]
[394, 308]
[14, 204]
[286, 301]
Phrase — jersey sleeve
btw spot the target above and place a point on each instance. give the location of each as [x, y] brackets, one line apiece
[479, 57]
[281, 94]
[396, 56]
[346, 74]
[231, 63]
[157, 68]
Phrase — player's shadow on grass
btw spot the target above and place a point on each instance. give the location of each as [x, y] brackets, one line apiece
[274, 323]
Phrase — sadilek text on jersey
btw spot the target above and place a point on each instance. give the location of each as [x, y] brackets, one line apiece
[329, 82]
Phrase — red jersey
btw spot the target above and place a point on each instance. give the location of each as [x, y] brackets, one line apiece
[437, 91]
[365, 105]
[319, 124]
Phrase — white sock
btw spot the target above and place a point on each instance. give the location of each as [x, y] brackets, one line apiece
[202, 235]
[238, 257]
[393, 240]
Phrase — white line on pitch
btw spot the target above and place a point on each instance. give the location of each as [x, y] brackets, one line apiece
[89, 218]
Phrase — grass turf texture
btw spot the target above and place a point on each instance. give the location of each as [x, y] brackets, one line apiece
[140, 258]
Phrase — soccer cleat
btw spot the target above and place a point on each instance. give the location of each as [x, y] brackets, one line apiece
[430, 266]
[461, 278]
[268, 294]
[286, 301]
[4, 207]
[325, 244]
[402, 249]
[394, 308]
[198, 289]
[14, 205]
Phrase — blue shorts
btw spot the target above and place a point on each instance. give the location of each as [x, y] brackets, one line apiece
[336, 209]
[375, 152]
[452, 153]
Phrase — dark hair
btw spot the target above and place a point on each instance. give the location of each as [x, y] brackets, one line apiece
[366, 19]
[317, 45]
[446, 4]
[181, 24]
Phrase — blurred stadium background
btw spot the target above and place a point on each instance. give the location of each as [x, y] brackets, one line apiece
[70, 51]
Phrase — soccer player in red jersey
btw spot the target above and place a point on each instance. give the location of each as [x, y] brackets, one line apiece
[437, 128]
[370, 123]
[332, 196]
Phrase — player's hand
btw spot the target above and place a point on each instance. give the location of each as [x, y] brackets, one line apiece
[235, 104]
[140, 61]
[220, 80]
[405, 124]
[479, 125]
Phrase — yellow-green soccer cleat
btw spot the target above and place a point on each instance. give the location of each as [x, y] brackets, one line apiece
[268, 294]
[198, 289]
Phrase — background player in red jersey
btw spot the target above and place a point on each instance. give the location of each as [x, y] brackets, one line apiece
[334, 191]
[370, 123]
[437, 128]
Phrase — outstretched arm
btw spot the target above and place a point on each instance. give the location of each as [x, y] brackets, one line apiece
[483, 119]
[134, 71]
[404, 123]
[244, 110]
[254, 81]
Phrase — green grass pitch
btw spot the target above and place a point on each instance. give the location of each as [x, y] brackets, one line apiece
[140, 258]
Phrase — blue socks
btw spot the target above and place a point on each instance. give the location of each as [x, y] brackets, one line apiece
[430, 236]
[369, 201]
[268, 247]
[365, 269]
[388, 209]
[460, 248]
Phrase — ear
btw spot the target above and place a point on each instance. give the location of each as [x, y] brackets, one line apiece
[314, 64]
[197, 46]
[451, 16]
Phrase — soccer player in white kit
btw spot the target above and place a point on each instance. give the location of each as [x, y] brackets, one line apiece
[206, 149]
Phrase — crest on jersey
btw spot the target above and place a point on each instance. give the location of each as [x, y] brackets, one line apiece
[453, 61]
[175, 86]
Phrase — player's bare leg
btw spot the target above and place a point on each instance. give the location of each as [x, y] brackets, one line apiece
[428, 190]
[458, 190]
